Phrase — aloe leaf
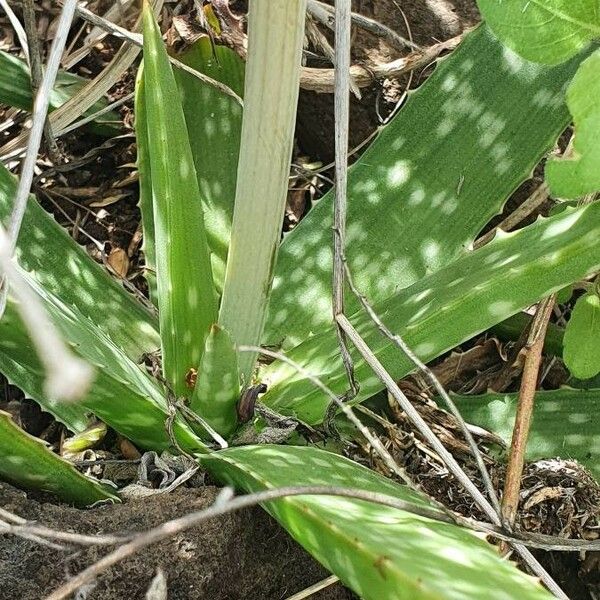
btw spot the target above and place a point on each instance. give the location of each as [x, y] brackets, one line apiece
[565, 423]
[579, 174]
[15, 90]
[186, 294]
[447, 308]
[582, 337]
[427, 185]
[548, 31]
[214, 124]
[379, 552]
[55, 261]
[122, 394]
[146, 203]
[217, 387]
[27, 462]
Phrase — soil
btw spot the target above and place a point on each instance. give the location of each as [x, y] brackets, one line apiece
[243, 555]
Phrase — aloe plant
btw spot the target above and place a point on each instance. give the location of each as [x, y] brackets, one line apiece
[410, 234]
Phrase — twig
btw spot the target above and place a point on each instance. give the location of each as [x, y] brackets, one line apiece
[342, 121]
[40, 110]
[220, 507]
[96, 114]
[137, 40]
[323, 80]
[67, 376]
[516, 457]
[316, 587]
[435, 383]
[448, 459]
[35, 65]
[324, 13]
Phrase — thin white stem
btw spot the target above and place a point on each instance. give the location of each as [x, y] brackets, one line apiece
[342, 123]
[16, 24]
[67, 376]
[40, 111]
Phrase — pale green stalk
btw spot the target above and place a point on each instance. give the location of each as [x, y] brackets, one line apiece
[276, 32]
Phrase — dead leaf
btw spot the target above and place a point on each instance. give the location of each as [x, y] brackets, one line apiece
[119, 262]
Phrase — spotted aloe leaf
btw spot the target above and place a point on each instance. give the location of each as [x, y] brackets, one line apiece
[428, 184]
[218, 383]
[187, 299]
[450, 306]
[27, 462]
[565, 423]
[381, 553]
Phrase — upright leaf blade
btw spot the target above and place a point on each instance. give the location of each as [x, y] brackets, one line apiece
[380, 553]
[218, 383]
[275, 36]
[186, 295]
[28, 463]
[214, 124]
[428, 184]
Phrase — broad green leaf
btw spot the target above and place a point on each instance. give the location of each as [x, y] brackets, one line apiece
[27, 462]
[428, 184]
[122, 394]
[381, 553]
[565, 423]
[447, 308]
[548, 31]
[579, 174]
[65, 270]
[145, 185]
[218, 384]
[582, 337]
[15, 90]
[214, 124]
[186, 295]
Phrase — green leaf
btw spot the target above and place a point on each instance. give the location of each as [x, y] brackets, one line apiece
[513, 327]
[548, 31]
[565, 423]
[445, 309]
[582, 338]
[146, 203]
[428, 184]
[186, 294]
[577, 175]
[27, 462]
[214, 124]
[217, 388]
[122, 394]
[381, 553]
[56, 262]
[15, 90]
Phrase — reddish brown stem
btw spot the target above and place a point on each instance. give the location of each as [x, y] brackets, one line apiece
[516, 459]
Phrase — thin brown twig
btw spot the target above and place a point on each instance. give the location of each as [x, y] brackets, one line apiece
[529, 380]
